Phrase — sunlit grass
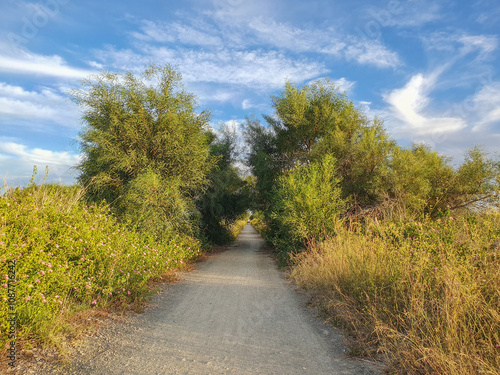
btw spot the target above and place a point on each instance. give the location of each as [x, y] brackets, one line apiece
[427, 293]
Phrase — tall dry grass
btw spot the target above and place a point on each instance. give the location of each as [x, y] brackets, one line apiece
[426, 293]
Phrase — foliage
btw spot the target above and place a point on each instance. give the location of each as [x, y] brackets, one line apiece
[424, 182]
[258, 221]
[140, 134]
[72, 256]
[314, 121]
[155, 205]
[263, 160]
[308, 204]
[317, 122]
[416, 267]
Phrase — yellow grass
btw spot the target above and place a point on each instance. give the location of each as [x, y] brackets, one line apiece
[427, 293]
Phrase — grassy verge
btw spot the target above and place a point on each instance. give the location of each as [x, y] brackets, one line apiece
[71, 258]
[426, 294]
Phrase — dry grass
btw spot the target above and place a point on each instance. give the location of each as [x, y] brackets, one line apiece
[427, 294]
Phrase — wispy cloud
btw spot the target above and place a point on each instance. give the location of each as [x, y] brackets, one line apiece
[409, 109]
[246, 34]
[256, 69]
[326, 41]
[452, 131]
[25, 62]
[460, 44]
[370, 52]
[47, 105]
[486, 106]
[416, 13]
[175, 32]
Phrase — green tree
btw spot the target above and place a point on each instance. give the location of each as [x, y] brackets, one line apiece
[143, 135]
[422, 181]
[314, 121]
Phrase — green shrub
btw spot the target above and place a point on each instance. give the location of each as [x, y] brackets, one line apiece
[155, 205]
[73, 256]
[307, 205]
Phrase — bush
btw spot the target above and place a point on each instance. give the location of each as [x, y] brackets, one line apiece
[307, 204]
[72, 256]
[155, 205]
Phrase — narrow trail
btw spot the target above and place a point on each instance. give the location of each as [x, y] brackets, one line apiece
[235, 314]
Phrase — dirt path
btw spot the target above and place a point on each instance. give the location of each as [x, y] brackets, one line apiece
[235, 314]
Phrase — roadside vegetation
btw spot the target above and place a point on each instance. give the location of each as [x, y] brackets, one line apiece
[72, 256]
[157, 188]
[398, 245]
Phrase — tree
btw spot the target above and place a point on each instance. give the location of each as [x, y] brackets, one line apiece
[314, 121]
[143, 135]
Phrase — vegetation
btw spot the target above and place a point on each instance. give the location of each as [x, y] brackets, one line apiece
[141, 134]
[366, 169]
[427, 293]
[398, 245]
[226, 199]
[72, 256]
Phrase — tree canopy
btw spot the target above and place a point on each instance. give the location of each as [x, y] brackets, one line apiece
[143, 138]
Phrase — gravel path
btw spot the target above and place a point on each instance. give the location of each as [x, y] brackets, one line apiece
[235, 314]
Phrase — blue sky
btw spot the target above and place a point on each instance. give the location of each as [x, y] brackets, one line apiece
[429, 69]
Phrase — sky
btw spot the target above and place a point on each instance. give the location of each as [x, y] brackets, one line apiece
[429, 69]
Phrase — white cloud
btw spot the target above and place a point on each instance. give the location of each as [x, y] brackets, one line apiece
[177, 32]
[246, 104]
[371, 52]
[25, 62]
[486, 44]
[486, 106]
[461, 43]
[236, 34]
[256, 69]
[21, 159]
[409, 104]
[47, 105]
[328, 41]
[345, 84]
[285, 36]
[38, 155]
